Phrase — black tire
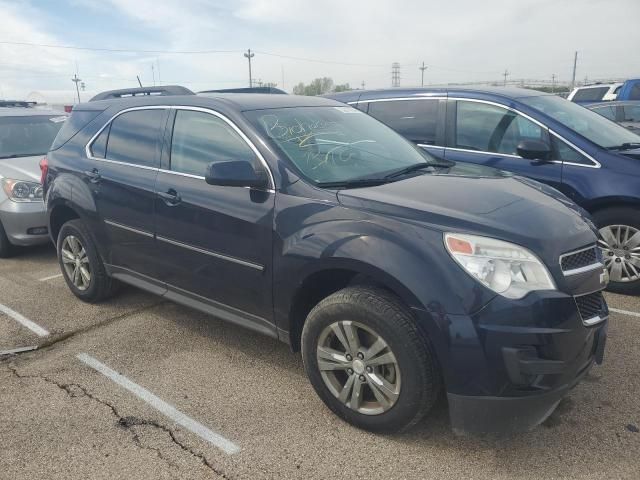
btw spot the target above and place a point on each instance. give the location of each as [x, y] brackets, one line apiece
[620, 216]
[385, 315]
[6, 249]
[100, 286]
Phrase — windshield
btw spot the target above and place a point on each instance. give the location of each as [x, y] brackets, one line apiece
[27, 136]
[337, 144]
[590, 125]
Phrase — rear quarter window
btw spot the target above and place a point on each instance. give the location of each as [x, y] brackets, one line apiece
[76, 122]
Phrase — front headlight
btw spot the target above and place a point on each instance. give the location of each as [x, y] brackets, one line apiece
[21, 191]
[507, 269]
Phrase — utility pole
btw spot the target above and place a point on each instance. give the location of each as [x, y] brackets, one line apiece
[505, 75]
[282, 67]
[249, 56]
[76, 80]
[362, 84]
[423, 68]
[553, 83]
[395, 74]
[153, 74]
[573, 78]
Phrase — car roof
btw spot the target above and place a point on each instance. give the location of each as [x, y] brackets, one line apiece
[232, 101]
[28, 112]
[614, 103]
[504, 92]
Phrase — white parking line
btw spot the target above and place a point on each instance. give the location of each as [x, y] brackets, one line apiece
[51, 277]
[18, 350]
[624, 312]
[34, 327]
[145, 395]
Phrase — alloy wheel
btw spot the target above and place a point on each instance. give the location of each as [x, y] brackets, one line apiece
[76, 262]
[620, 247]
[358, 367]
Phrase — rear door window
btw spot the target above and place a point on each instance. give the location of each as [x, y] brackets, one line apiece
[134, 137]
[416, 120]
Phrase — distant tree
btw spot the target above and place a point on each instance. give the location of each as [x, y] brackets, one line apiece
[342, 88]
[319, 86]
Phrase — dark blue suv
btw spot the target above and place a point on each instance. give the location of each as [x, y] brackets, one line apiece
[593, 161]
[395, 273]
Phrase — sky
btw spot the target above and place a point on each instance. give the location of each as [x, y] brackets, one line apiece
[351, 41]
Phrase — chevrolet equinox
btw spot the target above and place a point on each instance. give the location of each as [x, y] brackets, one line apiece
[395, 274]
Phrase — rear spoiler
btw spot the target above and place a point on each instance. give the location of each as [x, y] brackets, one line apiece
[138, 92]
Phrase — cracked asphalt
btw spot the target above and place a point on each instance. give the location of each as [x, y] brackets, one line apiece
[61, 419]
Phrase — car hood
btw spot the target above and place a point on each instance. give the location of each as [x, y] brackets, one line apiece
[21, 168]
[508, 207]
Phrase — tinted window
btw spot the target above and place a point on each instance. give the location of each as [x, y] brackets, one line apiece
[134, 137]
[99, 145]
[200, 139]
[607, 112]
[563, 151]
[76, 122]
[414, 119]
[489, 128]
[362, 106]
[590, 94]
[28, 135]
[631, 113]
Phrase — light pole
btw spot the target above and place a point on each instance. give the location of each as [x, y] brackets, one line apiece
[423, 68]
[249, 56]
[76, 80]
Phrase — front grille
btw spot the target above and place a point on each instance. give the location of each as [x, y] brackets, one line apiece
[581, 258]
[591, 307]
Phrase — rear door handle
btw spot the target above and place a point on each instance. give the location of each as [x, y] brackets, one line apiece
[171, 197]
[94, 175]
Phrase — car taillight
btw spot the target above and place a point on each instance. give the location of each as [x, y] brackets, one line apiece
[44, 169]
[68, 108]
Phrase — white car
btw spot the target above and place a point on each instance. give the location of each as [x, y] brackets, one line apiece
[600, 92]
[26, 134]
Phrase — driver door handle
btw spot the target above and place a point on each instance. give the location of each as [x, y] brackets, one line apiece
[170, 197]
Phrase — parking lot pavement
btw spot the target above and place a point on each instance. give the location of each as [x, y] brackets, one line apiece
[62, 417]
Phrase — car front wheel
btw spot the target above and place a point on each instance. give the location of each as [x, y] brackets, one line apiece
[620, 245]
[368, 361]
[81, 266]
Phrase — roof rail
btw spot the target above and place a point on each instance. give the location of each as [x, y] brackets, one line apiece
[17, 103]
[143, 91]
[247, 90]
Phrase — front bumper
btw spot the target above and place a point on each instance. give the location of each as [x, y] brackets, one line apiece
[504, 415]
[25, 223]
[507, 366]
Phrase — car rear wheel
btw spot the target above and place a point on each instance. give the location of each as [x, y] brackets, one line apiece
[81, 266]
[620, 245]
[368, 361]
[6, 249]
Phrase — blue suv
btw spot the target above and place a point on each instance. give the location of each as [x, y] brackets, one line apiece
[394, 273]
[590, 159]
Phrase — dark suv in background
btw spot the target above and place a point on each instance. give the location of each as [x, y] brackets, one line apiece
[394, 273]
[593, 161]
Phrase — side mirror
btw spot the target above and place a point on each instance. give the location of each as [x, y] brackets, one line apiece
[534, 150]
[235, 173]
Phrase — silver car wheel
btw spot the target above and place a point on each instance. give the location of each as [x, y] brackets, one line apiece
[76, 262]
[621, 251]
[358, 367]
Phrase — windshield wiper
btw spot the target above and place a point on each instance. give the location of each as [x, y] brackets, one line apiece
[415, 167]
[625, 146]
[357, 182]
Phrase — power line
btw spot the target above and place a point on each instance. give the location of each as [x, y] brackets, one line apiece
[117, 50]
